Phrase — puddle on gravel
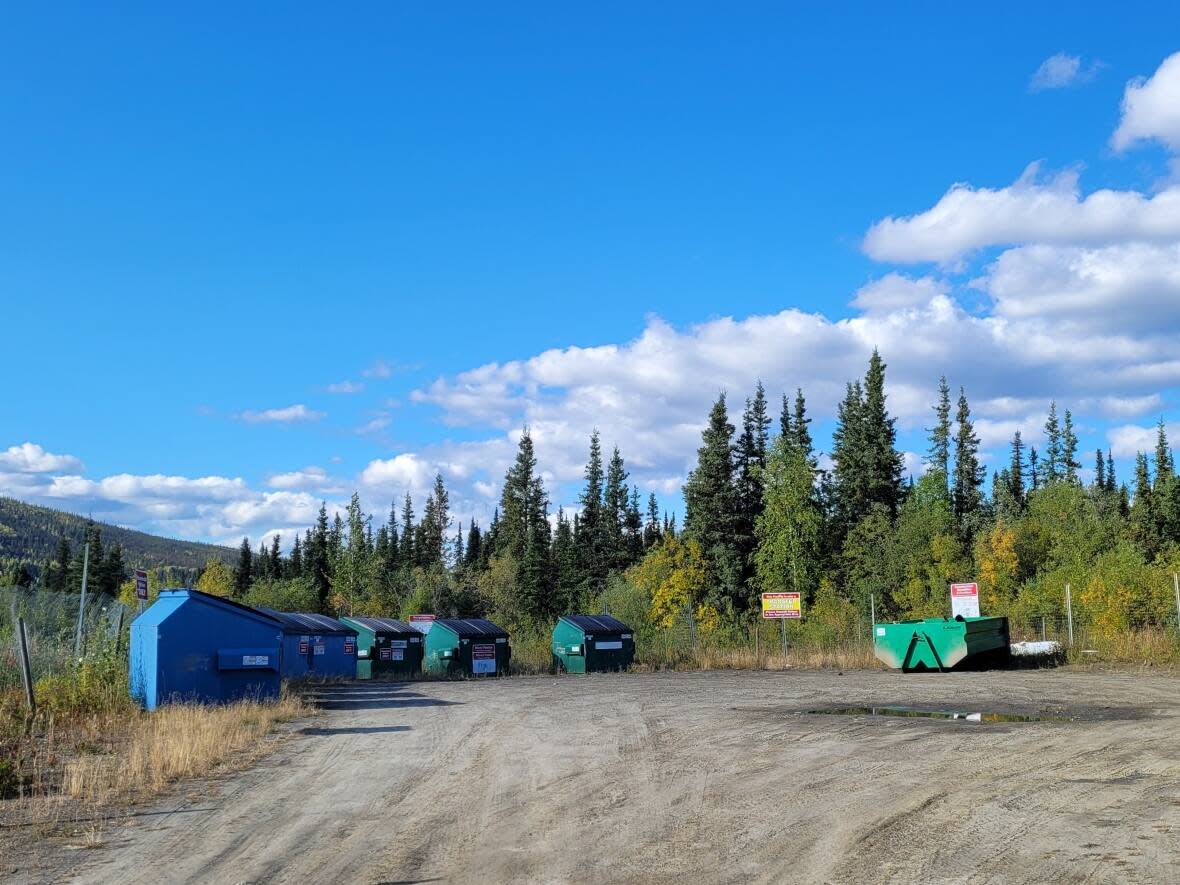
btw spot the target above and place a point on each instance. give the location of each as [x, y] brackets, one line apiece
[911, 712]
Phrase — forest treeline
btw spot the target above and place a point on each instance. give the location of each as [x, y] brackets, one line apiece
[763, 514]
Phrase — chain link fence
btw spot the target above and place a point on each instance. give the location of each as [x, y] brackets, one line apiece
[51, 622]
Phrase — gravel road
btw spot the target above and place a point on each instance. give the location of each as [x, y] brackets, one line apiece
[691, 777]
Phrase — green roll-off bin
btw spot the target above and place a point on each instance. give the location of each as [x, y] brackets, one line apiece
[942, 643]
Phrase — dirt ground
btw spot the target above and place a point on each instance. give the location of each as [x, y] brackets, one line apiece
[687, 777]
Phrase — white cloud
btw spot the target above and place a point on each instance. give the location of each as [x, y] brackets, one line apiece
[967, 219]
[1130, 439]
[1061, 70]
[287, 415]
[404, 471]
[307, 478]
[345, 387]
[379, 369]
[895, 291]
[31, 458]
[1151, 108]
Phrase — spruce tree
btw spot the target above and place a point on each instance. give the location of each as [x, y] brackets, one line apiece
[1111, 482]
[523, 531]
[1165, 469]
[1016, 470]
[1099, 471]
[295, 563]
[867, 464]
[63, 558]
[243, 573]
[614, 511]
[651, 530]
[1034, 469]
[1052, 463]
[710, 502]
[591, 536]
[969, 474]
[566, 574]
[784, 419]
[749, 463]
[474, 555]
[276, 556]
[319, 563]
[1069, 450]
[799, 424]
[407, 553]
[939, 455]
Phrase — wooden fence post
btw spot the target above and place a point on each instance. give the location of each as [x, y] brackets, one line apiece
[25, 670]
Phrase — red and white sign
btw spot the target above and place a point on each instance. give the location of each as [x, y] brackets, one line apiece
[303, 646]
[421, 622]
[965, 600]
[483, 658]
[350, 646]
[141, 583]
[386, 654]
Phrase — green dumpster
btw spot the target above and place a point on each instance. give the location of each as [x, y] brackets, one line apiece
[592, 643]
[942, 643]
[466, 647]
[386, 647]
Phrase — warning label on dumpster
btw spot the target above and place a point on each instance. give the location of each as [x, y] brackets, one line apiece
[387, 654]
[782, 605]
[320, 649]
[349, 646]
[255, 661]
[483, 658]
[397, 654]
[965, 600]
[303, 648]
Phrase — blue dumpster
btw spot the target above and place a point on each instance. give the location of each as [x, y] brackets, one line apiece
[189, 646]
[315, 645]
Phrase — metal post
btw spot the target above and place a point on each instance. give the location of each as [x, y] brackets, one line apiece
[783, 624]
[1176, 587]
[1069, 613]
[25, 670]
[82, 602]
[1043, 637]
[872, 612]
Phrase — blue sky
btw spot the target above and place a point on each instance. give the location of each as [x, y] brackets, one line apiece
[210, 219]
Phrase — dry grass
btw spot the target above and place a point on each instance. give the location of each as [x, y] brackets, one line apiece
[1147, 647]
[849, 656]
[176, 742]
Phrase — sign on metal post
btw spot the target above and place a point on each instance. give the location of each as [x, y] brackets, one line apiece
[141, 584]
[965, 600]
[782, 605]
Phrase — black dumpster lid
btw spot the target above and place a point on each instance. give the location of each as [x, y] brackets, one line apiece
[307, 622]
[386, 625]
[467, 627]
[597, 623]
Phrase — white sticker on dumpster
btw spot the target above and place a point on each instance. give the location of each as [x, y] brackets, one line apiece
[880, 631]
[397, 654]
[483, 658]
[608, 646]
[320, 649]
[255, 661]
[397, 643]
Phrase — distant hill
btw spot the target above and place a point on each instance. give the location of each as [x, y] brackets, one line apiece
[30, 533]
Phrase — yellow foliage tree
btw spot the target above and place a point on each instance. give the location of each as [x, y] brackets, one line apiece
[998, 567]
[674, 574]
[217, 579]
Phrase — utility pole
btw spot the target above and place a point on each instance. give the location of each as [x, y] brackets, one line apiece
[82, 602]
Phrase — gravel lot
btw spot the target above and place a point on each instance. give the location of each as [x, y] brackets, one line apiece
[688, 777]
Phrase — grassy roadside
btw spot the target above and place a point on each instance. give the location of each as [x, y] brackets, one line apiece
[90, 753]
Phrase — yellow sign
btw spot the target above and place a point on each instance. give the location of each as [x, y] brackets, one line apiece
[782, 605]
